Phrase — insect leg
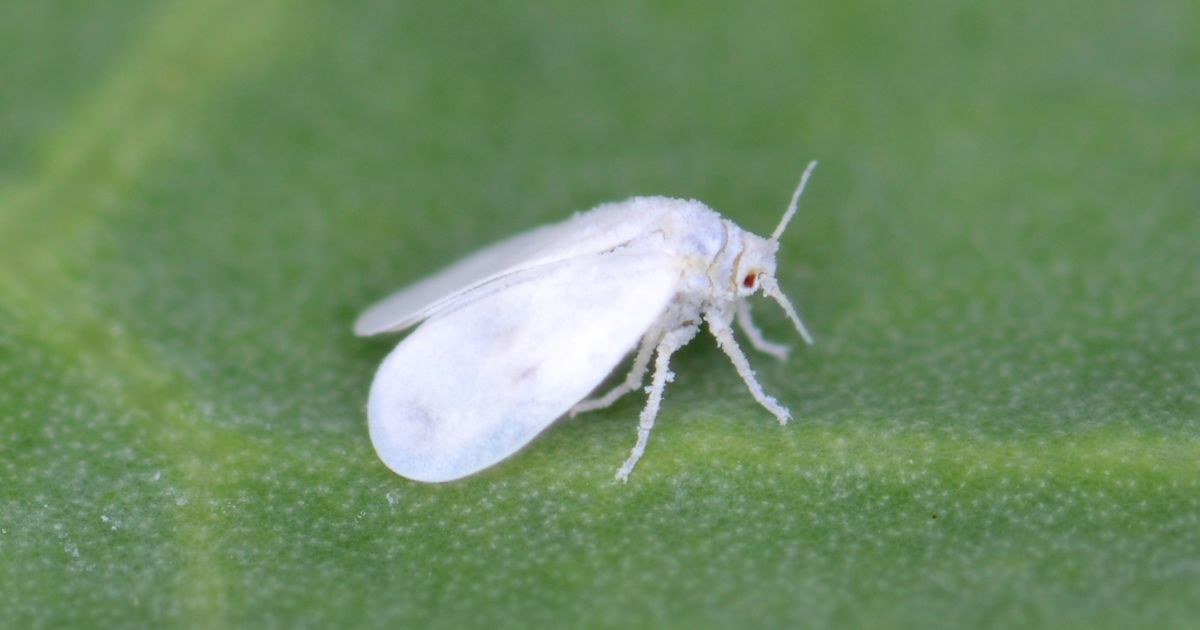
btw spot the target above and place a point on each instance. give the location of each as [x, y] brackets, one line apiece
[632, 381]
[777, 350]
[718, 324]
[670, 342]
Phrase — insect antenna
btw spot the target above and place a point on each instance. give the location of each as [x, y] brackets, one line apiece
[770, 288]
[791, 209]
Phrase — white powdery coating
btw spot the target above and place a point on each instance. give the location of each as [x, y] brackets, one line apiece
[516, 335]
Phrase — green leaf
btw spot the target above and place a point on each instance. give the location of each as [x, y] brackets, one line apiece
[999, 424]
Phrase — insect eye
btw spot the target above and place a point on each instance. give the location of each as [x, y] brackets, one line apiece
[749, 280]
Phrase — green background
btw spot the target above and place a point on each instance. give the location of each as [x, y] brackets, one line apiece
[999, 424]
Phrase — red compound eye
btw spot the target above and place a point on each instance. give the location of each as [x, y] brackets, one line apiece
[749, 280]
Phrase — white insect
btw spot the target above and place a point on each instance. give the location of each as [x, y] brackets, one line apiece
[516, 335]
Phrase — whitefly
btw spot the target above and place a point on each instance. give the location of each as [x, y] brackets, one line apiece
[518, 334]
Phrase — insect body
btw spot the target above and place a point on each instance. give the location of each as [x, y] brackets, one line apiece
[516, 335]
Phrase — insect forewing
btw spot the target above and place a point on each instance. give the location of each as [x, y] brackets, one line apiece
[475, 383]
[599, 230]
[401, 309]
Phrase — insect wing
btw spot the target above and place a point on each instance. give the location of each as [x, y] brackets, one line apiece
[598, 230]
[404, 308]
[473, 385]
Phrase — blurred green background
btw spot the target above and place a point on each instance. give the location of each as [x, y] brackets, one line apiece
[999, 425]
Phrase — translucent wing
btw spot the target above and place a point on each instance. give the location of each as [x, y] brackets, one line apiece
[402, 309]
[592, 232]
[474, 384]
